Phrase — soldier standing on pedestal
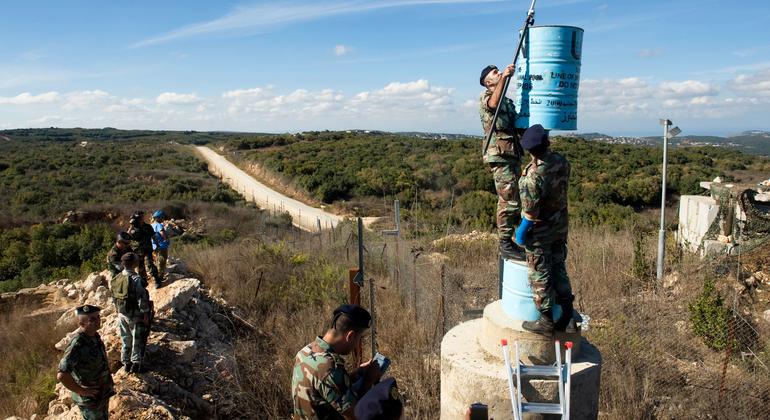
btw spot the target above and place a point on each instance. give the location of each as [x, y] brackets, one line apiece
[543, 231]
[503, 156]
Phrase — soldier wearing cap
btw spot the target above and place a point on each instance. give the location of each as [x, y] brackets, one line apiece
[502, 156]
[84, 369]
[142, 232]
[543, 231]
[121, 247]
[321, 386]
[134, 314]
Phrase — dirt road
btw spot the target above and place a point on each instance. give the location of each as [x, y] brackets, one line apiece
[303, 216]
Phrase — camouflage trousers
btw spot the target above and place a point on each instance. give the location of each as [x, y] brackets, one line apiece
[133, 339]
[162, 257]
[506, 176]
[149, 264]
[548, 275]
[95, 412]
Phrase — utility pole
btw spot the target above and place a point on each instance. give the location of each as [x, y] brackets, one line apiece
[667, 134]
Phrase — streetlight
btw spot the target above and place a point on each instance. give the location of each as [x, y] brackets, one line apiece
[667, 134]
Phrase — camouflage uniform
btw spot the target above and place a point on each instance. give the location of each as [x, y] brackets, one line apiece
[86, 360]
[503, 156]
[113, 258]
[320, 385]
[543, 187]
[133, 331]
[143, 237]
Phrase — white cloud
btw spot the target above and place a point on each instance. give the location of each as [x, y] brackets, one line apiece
[27, 98]
[172, 98]
[340, 50]
[85, 99]
[687, 88]
[754, 85]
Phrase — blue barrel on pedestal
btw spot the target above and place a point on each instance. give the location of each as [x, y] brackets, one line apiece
[548, 77]
[517, 295]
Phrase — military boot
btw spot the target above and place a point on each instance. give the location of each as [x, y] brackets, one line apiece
[127, 367]
[510, 251]
[543, 325]
[137, 368]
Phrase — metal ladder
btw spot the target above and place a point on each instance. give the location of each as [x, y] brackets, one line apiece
[563, 372]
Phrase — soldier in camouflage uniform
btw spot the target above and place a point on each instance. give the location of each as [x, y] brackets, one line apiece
[503, 155]
[142, 232]
[321, 387]
[543, 231]
[121, 247]
[84, 369]
[134, 314]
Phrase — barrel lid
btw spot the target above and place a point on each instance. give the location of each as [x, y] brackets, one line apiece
[556, 26]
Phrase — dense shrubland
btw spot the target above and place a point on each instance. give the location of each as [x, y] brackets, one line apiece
[609, 183]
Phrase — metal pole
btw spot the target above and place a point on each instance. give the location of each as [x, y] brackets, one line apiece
[529, 21]
[662, 232]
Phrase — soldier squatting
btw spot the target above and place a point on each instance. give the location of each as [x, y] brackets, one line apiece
[84, 369]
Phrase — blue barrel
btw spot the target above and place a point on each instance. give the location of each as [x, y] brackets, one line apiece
[548, 76]
[517, 295]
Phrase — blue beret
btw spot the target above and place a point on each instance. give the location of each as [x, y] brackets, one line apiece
[87, 309]
[381, 402]
[533, 137]
[359, 316]
[485, 72]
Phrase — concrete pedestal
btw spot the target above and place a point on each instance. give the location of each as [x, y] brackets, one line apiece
[473, 370]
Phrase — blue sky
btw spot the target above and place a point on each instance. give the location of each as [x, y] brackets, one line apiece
[391, 65]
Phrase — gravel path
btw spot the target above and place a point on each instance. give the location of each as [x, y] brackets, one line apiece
[303, 216]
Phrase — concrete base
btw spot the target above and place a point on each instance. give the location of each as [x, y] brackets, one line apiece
[535, 349]
[472, 368]
[470, 375]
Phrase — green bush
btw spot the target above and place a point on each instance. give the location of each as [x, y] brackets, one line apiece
[710, 318]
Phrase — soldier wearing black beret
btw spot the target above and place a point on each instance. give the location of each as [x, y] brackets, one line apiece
[321, 387]
[84, 369]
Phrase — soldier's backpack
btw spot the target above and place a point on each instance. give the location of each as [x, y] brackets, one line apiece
[120, 286]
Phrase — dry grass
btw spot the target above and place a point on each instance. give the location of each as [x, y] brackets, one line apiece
[28, 363]
[653, 366]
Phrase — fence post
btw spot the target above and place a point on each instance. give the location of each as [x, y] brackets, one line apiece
[354, 298]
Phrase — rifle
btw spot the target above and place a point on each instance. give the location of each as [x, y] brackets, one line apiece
[529, 21]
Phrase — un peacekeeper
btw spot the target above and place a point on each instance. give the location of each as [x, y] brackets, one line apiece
[142, 232]
[84, 369]
[543, 231]
[134, 312]
[121, 247]
[503, 155]
[320, 386]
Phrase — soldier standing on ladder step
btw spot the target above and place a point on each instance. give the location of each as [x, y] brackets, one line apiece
[543, 231]
[503, 156]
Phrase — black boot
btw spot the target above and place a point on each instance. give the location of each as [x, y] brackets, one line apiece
[510, 251]
[566, 322]
[543, 325]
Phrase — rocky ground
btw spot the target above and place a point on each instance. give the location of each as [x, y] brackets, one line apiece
[189, 354]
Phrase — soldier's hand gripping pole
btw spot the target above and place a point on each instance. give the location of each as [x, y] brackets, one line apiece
[529, 21]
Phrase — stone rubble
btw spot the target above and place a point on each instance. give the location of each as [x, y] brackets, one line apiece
[188, 357]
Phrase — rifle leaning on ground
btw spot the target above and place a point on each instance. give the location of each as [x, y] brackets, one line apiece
[529, 21]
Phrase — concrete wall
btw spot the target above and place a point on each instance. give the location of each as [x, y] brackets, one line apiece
[696, 214]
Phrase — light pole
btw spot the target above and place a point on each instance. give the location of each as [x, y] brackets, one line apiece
[667, 134]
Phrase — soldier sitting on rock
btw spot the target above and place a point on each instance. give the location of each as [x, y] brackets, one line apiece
[84, 369]
[134, 308]
[121, 247]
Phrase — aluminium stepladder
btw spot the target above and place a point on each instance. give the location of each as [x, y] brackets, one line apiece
[563, 373]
